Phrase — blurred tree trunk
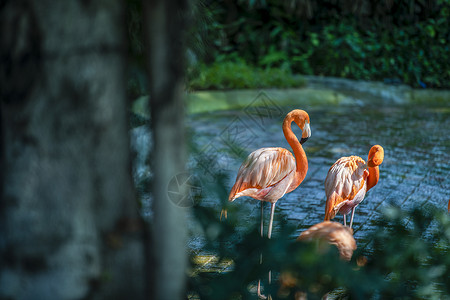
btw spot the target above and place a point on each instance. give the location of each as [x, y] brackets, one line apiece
[165, 24]
[69, 225]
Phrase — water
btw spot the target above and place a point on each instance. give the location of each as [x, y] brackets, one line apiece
[415, 170]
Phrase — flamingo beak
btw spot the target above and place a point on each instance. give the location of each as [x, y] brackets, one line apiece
[306, 133]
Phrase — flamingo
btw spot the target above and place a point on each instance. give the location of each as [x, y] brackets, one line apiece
[335, 234]
[269, 173]
[348, 180]
[332, 233]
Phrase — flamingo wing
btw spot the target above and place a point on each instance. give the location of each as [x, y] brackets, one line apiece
[345, 180]
[262, 169]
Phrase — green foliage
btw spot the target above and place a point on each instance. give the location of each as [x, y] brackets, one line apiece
[411, 249]
[395, 41]
[239, 75]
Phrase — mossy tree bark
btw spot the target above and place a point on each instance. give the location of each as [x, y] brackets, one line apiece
[69, 225]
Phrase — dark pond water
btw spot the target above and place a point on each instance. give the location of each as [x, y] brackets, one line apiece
[415, 171]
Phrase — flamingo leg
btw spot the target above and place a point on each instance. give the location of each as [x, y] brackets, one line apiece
[261, 296]
[262, 227]
[269, 234]
[272, 210]
[262, 218]
[353, 213]
[345, 222]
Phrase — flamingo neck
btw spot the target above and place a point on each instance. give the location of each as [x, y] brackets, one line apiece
[372, 179]
[299, 153]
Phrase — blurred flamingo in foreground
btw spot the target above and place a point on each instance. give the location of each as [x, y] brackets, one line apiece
[269, 173]
[330, 233]
[335, 234]
[348, 180]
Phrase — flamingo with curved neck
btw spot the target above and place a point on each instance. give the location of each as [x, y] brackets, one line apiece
[374, 159]
[269, 173]
[348, 180]
[299, 154]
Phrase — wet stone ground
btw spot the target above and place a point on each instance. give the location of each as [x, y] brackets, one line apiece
[415, 171]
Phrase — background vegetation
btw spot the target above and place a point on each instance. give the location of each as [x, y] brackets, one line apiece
[403, 41]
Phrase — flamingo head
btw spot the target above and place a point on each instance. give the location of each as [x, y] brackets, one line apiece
[376, 156]
[306, 133]
[301, 118]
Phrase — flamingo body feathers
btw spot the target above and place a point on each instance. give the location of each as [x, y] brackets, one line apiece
[345, 185]
[265, 175]
[348, 180]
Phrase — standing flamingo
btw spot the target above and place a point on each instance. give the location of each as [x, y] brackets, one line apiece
[348, 180]
[269, 173]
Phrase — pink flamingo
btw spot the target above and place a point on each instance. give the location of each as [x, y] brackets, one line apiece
[269, 173]
[348, 180]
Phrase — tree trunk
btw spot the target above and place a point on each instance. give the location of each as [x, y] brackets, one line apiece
[165, 25]
[69, 225]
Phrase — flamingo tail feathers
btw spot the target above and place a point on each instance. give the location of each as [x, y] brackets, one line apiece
[332, 202]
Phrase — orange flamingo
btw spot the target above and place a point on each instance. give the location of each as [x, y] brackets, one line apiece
[269, 173]
[348, 180]
[335, 234]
